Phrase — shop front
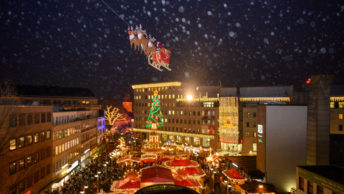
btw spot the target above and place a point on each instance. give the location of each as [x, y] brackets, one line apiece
[197, 141]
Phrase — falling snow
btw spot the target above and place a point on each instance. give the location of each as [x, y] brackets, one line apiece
[83, 43]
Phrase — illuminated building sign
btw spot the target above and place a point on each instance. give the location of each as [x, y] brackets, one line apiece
[260, 132]
[260, 128]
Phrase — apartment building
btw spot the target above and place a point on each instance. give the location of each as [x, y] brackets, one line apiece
[70, 119]
[26, 147]
[319, 180]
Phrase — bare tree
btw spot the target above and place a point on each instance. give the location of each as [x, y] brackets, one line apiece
[112, 115]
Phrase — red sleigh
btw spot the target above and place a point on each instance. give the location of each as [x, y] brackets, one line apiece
[160, 58]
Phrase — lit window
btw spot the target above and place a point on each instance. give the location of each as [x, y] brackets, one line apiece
[340, 116]
[331, 104]
[48, 134]
[13, 144]
[21, 164]
[28, 161]
[21, 142]
[13, 167]
[28, 139]
[36, 138]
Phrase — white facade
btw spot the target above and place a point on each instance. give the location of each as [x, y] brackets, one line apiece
[285, 133]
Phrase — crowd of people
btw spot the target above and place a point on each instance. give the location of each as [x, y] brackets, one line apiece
[98, 174]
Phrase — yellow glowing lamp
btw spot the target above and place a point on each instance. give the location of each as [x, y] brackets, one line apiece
[156, 92]
[189, 97]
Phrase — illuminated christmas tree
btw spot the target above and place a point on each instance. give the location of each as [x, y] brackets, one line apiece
[155, 117]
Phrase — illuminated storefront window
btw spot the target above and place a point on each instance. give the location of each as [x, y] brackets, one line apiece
[179, 139]
[187, 140]
[206, 142]
[171, 138]
[197, 141]
[163, 137]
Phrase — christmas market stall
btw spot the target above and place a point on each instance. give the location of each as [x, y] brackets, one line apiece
[234, 176]
[156, 175]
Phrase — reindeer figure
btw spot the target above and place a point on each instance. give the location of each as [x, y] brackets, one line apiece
[156, 57]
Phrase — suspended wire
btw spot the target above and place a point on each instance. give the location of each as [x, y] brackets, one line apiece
[113, 11]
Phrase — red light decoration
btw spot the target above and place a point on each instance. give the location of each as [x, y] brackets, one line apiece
[308, 80]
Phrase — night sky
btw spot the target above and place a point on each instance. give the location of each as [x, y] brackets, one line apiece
[82, 43]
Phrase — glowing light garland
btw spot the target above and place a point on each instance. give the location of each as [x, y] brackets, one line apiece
[155, 114]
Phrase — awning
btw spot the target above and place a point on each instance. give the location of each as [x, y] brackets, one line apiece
[193, 171]
[156, 174]
[190, 182]
[149, 160]
[181, 163]
[232, 174]
[128, 159]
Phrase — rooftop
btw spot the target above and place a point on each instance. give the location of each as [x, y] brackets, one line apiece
[52, 91]
[331, 172]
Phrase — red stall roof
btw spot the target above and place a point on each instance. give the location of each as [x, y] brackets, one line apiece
[156, 174]
[232, 174]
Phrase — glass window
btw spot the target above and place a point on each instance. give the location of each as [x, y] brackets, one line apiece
[340, 116]
[13, 120]
[21, 119]
[28, 139]
[48, 134]
[21, 164]
[320, 190]
[48, 117]
[309, 187]
[301, 184]
[36, 138]
[21, 186]
[29, 118]
[29, 181]
[43, 172]
[36, 177]
[248, 115]
[13, 189]
[36, 118]
[340, 127]
[35, 158]
[48, 169]
[254, 114]
[13, 145]
[43, 117]
[21, 142]
[28, 161]
[42, 136]
[13, 167]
